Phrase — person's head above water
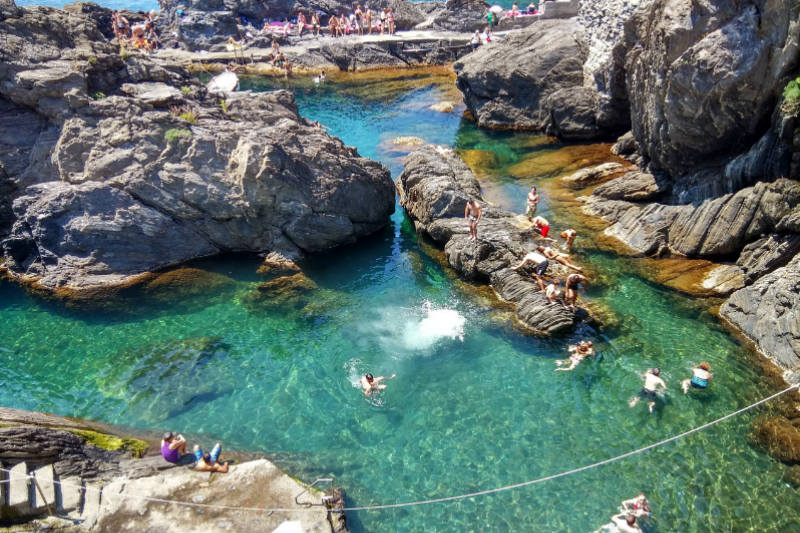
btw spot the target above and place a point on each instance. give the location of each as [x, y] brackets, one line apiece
[705, 366]
[369, 377]
[630, 519]
[655, 371]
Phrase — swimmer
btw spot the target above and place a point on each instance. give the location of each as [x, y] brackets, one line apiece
[571, 285]
[539, 269]
[370, 384]
[558, 256]
[473, 213]
[638, 506]
[699, 379]
[569, 237]
[578, 353]
[532, 201]
[651, 384]
[626, 523]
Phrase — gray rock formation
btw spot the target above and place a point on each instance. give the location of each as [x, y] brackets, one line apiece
[119, 185]
[533, 80]
[636, 186]
[434, 188]
[768, 312]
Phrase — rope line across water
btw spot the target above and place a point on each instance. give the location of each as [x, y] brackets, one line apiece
[446, 498]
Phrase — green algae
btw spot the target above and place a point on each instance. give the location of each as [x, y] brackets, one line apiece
[135, 447]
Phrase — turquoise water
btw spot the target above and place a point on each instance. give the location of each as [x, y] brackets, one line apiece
[475, 405]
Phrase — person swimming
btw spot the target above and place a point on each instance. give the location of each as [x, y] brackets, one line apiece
[700, 376]
[371, 384]
[652, 382]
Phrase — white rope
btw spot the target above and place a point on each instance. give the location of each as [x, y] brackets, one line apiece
[446, 498]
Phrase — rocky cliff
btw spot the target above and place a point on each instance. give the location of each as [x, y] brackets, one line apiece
[434, 188]
[125, 165]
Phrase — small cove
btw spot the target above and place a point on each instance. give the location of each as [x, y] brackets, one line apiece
[464, 414]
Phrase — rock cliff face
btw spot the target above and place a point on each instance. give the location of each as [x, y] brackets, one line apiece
[120, 184]
[533, 80]
[434, 188]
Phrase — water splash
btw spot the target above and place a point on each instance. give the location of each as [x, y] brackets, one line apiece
[436, 325]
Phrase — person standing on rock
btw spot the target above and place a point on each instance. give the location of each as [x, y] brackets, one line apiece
[383, 20]
[571, 286]
[368, 20]
[359, 20]
[473, 213]
[475, 42]
[652, 382]
[532, 201]
[540, 263]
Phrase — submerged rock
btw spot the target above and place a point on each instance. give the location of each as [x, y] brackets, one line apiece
[777, 436]
[434, 188]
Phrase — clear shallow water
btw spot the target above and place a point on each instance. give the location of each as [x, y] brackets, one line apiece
[463, 414]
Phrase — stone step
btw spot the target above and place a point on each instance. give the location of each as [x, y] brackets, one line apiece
[92, 497]
[3, 487]
[44, 495]
[69, 494]
[19, 486]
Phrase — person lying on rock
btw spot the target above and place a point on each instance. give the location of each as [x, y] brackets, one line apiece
[569, 237]
[209, 462]
[578, 353]
[371, 384]
[700, 376]
[552, 293]
[541, 226]
[540, 263]
[473, 213]
[651, 385]
[558, 256]
[571, 286]
[173, 447]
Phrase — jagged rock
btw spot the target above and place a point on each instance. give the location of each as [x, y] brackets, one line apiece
[533, 80]
[767, 312]
[434, 188]
[635, 186]
[276, 264]
[765, 255]
[592, 175]
[459, 15]
[7, 190]
[625, 145]
[716, 228]
[156, 94]
[703, 79]
[143, 190]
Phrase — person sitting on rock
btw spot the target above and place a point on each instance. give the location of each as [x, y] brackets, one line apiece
[571, 286]
[343, 29]
[209, 462]
[121, 27]
[287, 27]
[333, 26]
[315, 26]
[569, 237]
[473, 213]
[173, 447]
[540, 263]
[541, 226]
[578, 353]
[301, 23]
[475, 42]
[370, 384]
[700, 376]
[552, 293]
[533, 7]
[558, 256]
[514, 9]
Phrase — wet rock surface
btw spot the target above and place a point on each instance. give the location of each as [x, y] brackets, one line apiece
[145, 175]
[434, 188]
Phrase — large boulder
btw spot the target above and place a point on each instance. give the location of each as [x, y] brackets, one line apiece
[533, 80]
[767, 312]
[434, 188]
[141, 189]
[703, 77]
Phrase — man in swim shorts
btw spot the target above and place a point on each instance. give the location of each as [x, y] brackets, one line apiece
[209, 462]
[473, 213]
[540, 263]
[651, 385]
[571, 285]
[371, 384]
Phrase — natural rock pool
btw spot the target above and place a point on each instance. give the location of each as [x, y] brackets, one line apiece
[475, 404]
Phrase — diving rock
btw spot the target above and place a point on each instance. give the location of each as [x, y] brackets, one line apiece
[768, 312]
[636, 186]
[434, 188]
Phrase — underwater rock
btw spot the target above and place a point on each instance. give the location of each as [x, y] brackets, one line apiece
[408, 141]
[434, 188]
[443, 107]
[276, 264]
[163, 380]
[777, 436]
[293, 291]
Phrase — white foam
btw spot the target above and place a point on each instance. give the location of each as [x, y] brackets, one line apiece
[436, 325]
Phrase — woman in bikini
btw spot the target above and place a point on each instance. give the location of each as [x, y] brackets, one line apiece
[700, 376]
[578, 353]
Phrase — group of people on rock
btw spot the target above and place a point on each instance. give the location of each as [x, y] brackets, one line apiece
[173, 450]
[140, 35]
[360, 22]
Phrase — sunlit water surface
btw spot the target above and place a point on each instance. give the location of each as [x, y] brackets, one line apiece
[475, 405]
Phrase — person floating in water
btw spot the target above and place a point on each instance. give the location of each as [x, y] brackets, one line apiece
[651, 385]
[626, 523]
[638, 506]
[532, 201]
[700, 376]
[473, 213]
[209, 462]
[578, 353]
[540, 263]
[569, 237]
[371, 384]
